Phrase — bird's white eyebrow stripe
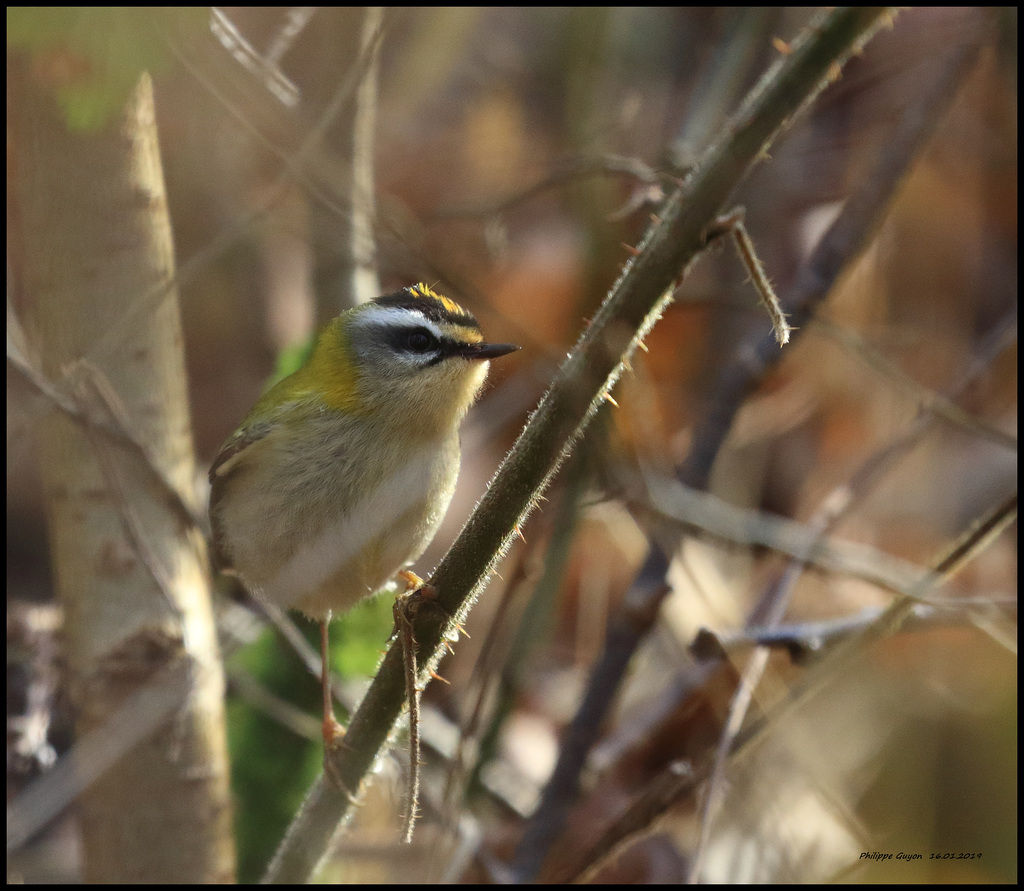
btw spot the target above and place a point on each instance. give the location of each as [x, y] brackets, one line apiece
[393, 317]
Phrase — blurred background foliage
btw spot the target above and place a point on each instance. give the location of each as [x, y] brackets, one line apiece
[518, 154]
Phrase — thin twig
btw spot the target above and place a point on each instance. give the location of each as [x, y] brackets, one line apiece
[682, 508]
[802, 640]
[112, 424]
[263, 67]
[929, 400]
[765, 291]
[732, 224]
[565, 172]
[407, 635]
[296, 20]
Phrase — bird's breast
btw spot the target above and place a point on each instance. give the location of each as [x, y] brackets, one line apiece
[359, 547]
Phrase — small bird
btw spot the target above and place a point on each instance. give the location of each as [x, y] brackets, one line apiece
[341, 473]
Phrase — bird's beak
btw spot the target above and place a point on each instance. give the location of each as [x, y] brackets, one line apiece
[487, 350]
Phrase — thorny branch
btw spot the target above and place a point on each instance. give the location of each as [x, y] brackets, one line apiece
[843, 242]
[580, 387]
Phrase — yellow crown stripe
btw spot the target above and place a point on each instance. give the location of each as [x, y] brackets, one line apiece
[422, 290]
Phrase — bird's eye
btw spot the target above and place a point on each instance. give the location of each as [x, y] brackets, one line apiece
[418, 340]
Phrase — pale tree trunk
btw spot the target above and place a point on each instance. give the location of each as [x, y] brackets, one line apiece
[93, 253]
